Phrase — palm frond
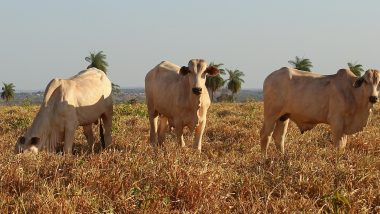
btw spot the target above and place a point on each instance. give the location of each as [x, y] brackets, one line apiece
[97, 60]
[303, 64]
[356, 68]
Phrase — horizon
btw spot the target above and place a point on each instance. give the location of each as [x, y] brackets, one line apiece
[45, 40]
[122, 88]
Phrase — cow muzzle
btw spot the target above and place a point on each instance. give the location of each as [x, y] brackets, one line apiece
[197, 90]
[373, 99]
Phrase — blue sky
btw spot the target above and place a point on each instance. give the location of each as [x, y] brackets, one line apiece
[41, 40]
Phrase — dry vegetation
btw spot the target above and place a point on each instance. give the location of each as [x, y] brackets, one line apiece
[228, 176]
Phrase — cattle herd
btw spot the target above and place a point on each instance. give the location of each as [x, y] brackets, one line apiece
[177, 97]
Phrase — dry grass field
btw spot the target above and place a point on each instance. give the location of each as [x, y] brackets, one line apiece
[229, 176]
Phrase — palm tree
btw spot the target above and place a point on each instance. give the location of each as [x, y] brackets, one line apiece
[356, 68]
[8, 92]
[215, 82]
[302, 64]
[115, 88]
[97, 60]
[234, 81]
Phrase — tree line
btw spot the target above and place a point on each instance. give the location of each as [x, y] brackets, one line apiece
[233, 82]
[305, 64]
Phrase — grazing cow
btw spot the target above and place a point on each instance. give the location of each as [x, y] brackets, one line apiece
[342, 100]
[178, 96]
[69, 103]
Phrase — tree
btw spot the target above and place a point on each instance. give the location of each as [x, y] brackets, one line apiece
[97, 60]
[302, 64]
[115, 89]
[8, 92]
[215, 82]
[356, 68]
[234, 81]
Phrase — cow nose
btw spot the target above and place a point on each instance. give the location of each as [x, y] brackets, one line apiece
[373, 99]
[197, 90]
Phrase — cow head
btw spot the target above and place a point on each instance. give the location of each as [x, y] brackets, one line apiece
[370, 82]
[197, 70]
[25, 144]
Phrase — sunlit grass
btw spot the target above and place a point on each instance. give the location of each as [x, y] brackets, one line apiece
[228, 176]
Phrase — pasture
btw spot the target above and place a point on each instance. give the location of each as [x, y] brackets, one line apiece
[228, 176]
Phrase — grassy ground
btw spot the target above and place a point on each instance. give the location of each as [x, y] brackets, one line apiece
[228, 176]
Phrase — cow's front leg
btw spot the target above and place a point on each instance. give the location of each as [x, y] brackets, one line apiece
[198, 135]
[69, 139]
[339, 139]
[179, 134]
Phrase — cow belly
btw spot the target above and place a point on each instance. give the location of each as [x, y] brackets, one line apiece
[305, 123]
[88, 117]
[303, 127]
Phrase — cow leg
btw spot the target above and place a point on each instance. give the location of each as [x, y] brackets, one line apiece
[179, 134]
[162, 127]
[87, 130]
[107, 123]
[69, 139]
[153, 121]
[279, 134]
[339, 139]
[265, 135]
[198, 135]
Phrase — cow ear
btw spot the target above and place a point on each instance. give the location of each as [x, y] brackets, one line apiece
[21, 140]
[34, 140]
[184, 70]
[212, 71]
[358, 82]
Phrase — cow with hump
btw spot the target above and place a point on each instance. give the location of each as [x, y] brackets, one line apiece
[68, 103]
[177, 96]
[342, 101]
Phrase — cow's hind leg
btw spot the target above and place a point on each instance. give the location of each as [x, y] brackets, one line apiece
[279, 134]
[162, 127]
[153, 121]
[265, 134]
[87, 130]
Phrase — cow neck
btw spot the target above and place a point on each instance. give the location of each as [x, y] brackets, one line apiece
[41, 123]
[360, 98]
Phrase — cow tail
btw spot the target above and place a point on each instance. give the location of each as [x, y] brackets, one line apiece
[101, 134]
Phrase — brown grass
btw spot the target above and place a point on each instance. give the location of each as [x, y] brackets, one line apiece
[228, 176]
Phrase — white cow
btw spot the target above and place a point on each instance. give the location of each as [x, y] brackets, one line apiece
[178, 95]
[341, 100]
[68, 103]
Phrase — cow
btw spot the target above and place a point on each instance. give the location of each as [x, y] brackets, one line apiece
[177, 96]
[342, 100]
[81, 100]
